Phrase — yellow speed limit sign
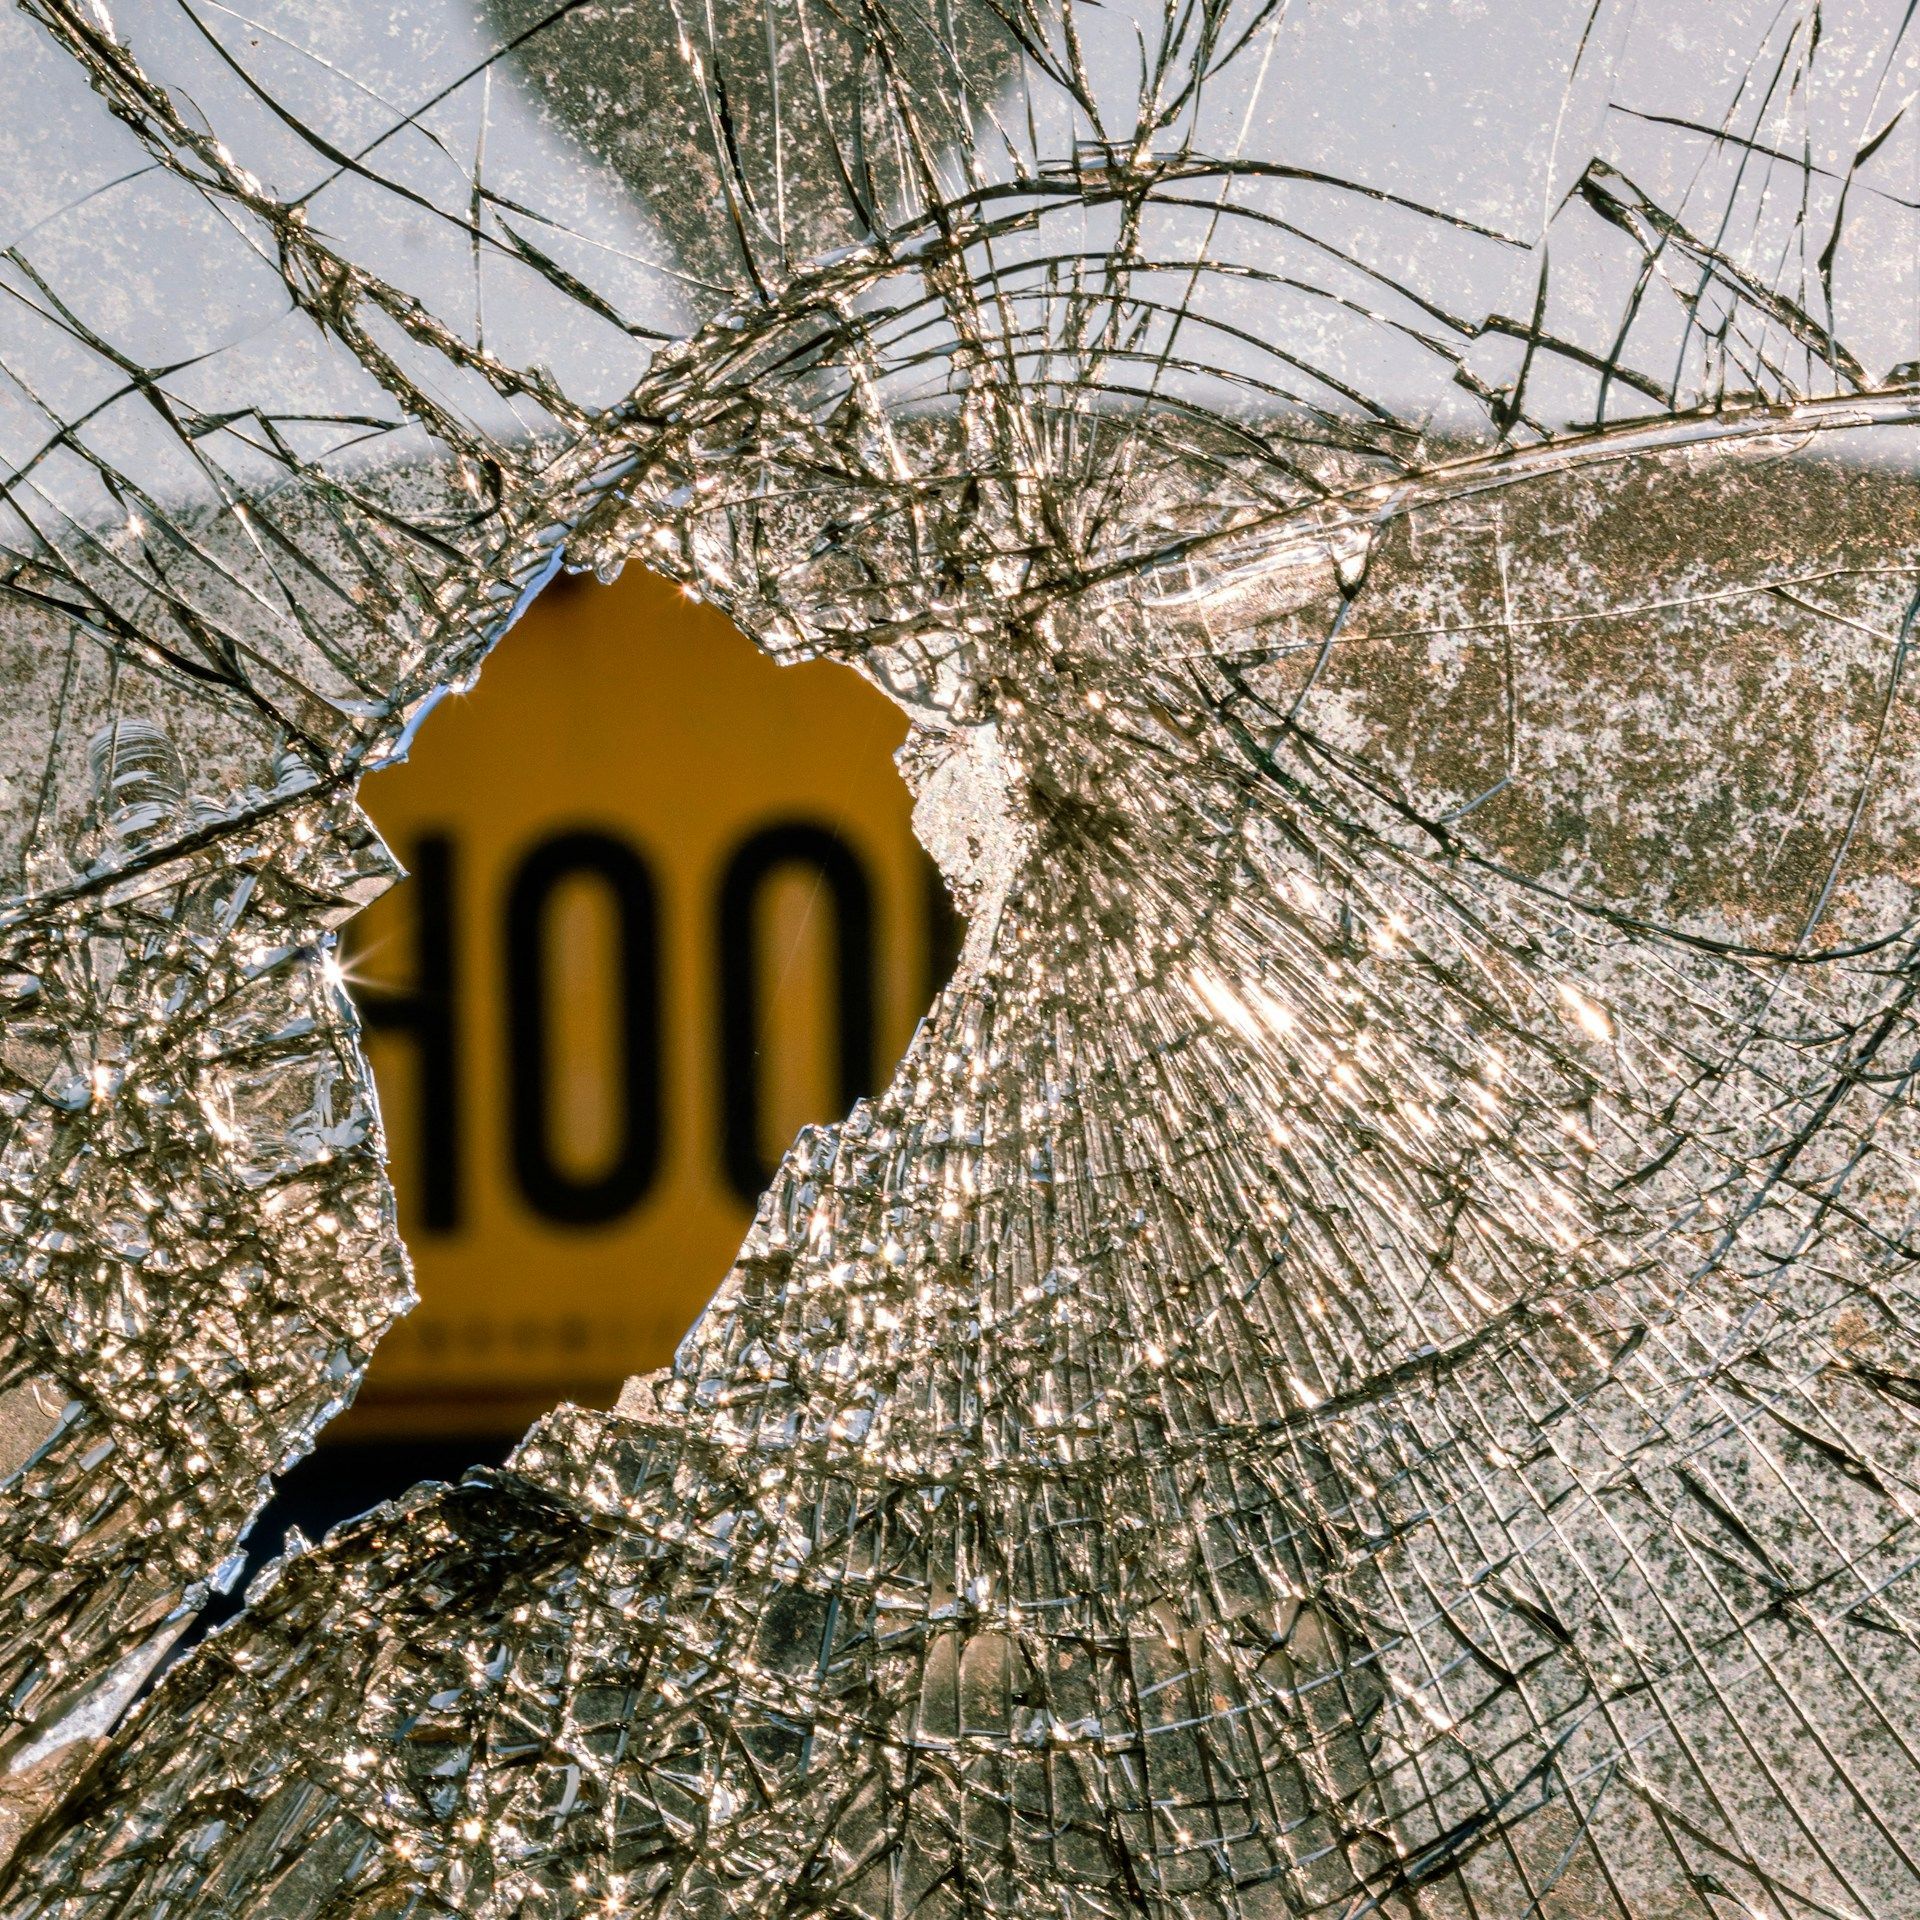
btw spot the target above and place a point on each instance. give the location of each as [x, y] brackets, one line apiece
[665, 906]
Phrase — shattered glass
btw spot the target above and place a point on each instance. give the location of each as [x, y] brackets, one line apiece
[1365, 1360]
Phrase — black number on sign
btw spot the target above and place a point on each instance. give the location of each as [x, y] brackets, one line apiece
[549, 1188]
[815, 849]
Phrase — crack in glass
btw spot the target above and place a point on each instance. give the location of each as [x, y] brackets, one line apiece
[1365, 1359]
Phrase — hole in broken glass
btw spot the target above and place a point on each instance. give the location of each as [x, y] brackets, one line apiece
[617, 982]
[608, 994]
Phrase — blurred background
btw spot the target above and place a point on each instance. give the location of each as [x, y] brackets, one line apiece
[665, 907]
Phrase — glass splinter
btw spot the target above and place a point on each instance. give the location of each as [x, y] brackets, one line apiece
[1366, 1361]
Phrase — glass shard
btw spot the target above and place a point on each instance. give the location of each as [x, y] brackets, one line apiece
[1365, 1360]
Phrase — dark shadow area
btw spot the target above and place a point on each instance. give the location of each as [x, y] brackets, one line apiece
[337, 1482]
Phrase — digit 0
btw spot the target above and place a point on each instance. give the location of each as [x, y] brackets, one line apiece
[549, 1188]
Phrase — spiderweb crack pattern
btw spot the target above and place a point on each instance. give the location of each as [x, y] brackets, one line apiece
[1364, 1361]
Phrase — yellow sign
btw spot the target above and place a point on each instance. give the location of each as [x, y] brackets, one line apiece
[665, 906]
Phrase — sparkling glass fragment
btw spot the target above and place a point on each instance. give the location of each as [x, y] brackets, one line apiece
[1365, 1360]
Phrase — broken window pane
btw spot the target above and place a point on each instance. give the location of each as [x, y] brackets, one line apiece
[1364, 1361]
